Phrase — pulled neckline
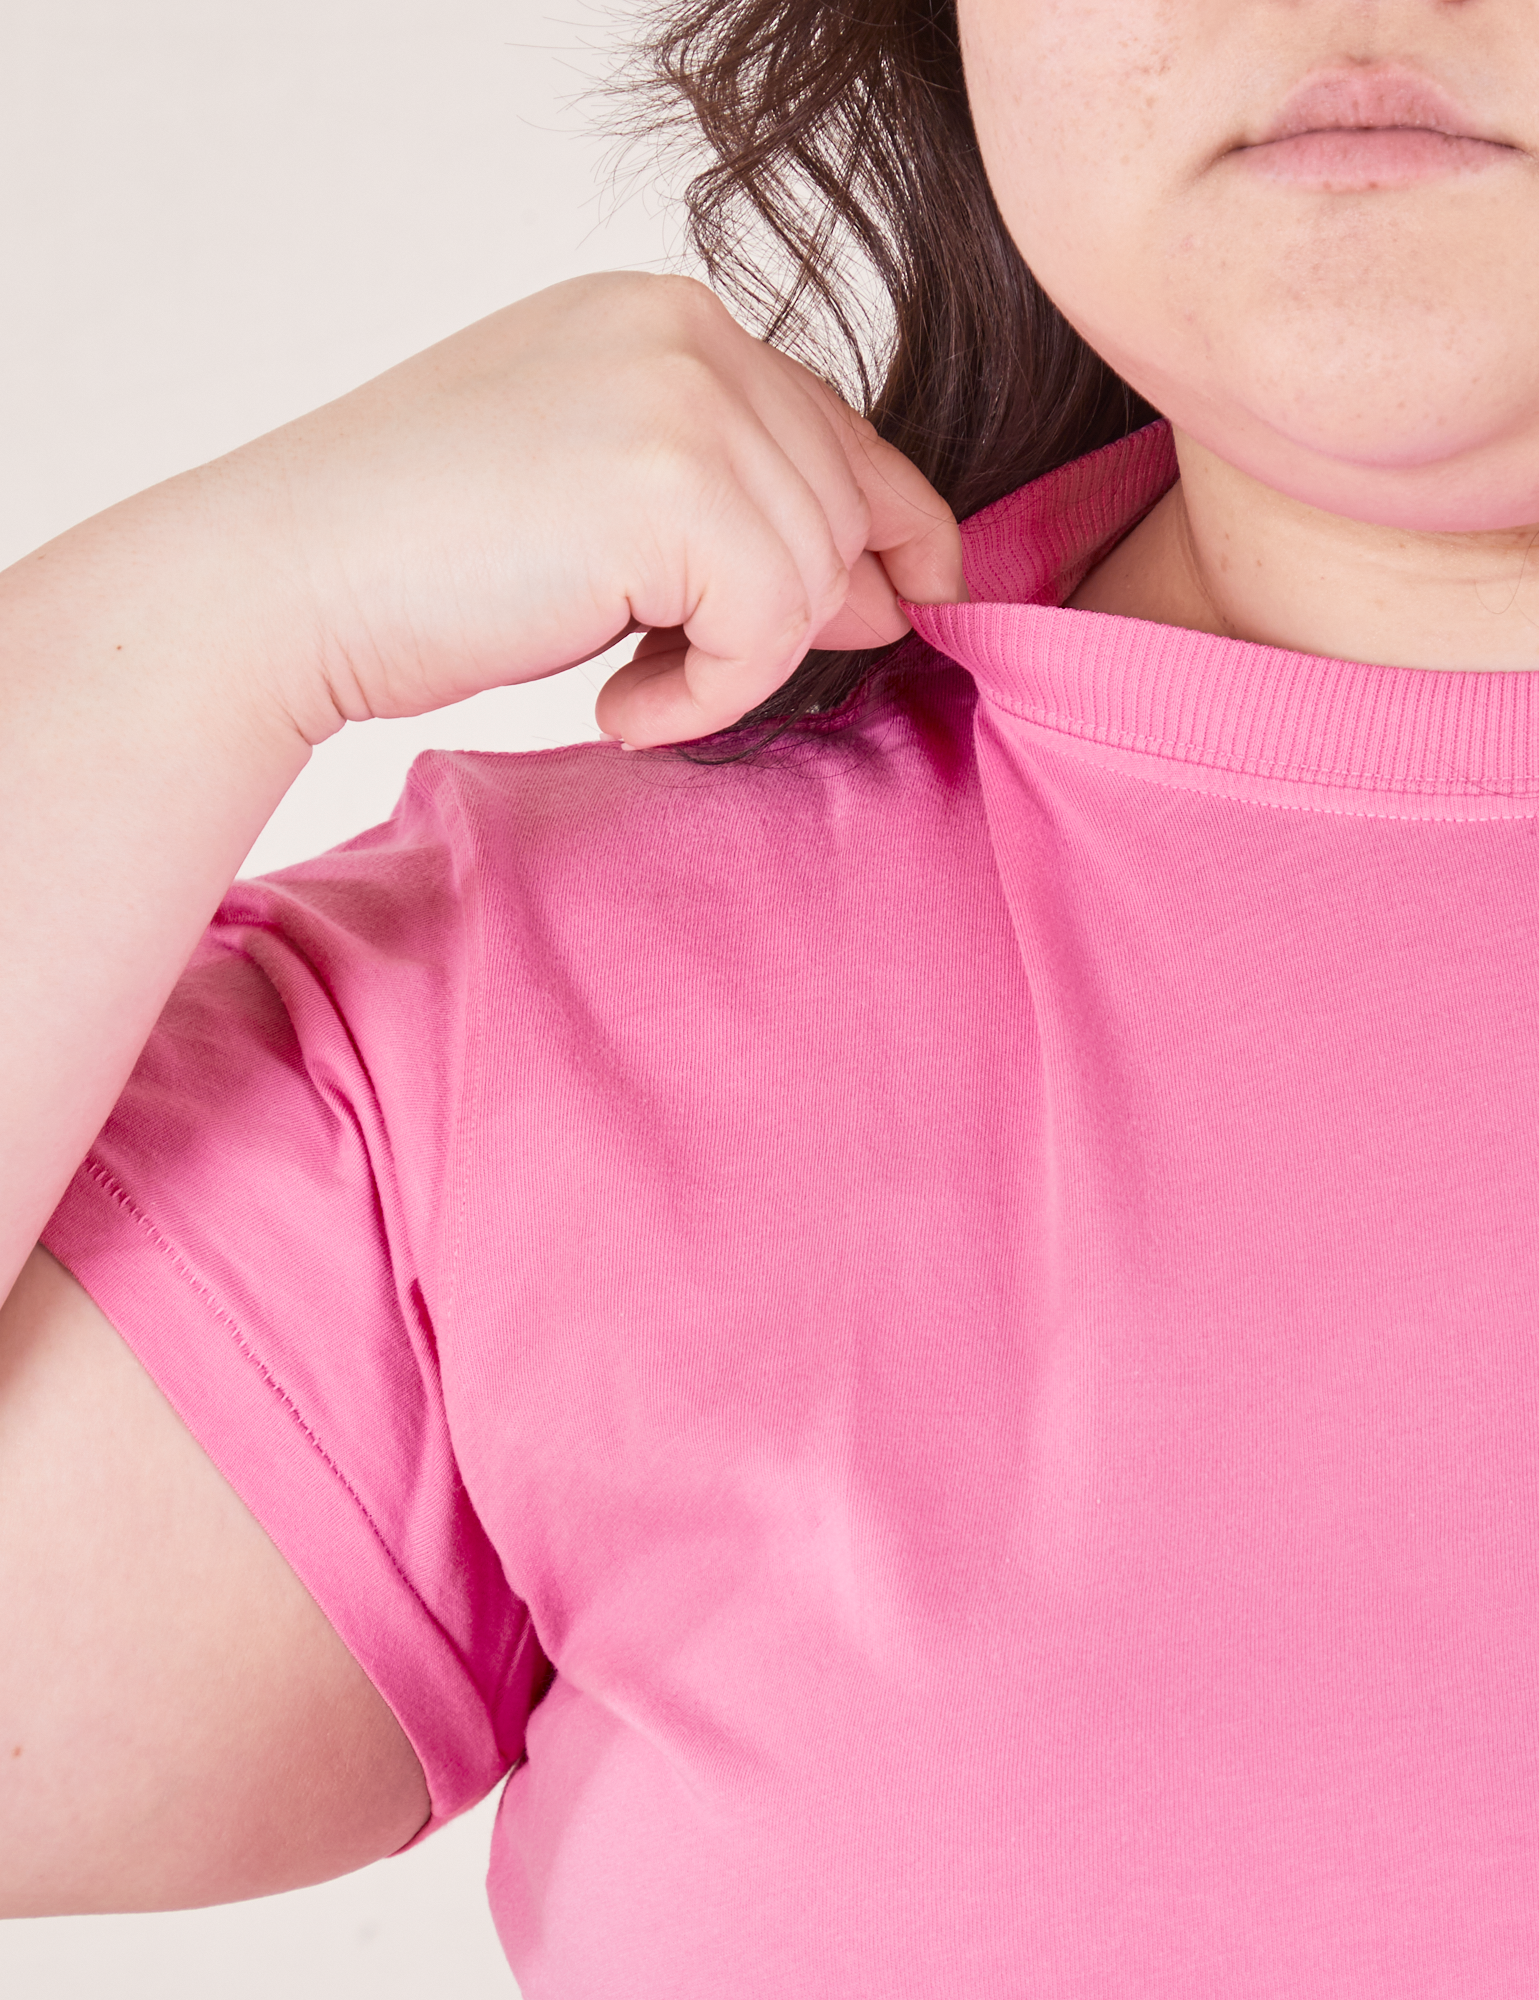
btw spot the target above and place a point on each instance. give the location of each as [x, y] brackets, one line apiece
[1204, 712]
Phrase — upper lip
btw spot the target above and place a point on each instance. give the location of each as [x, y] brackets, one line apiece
[1368, 99]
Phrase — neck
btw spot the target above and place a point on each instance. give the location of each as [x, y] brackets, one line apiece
[1223, 553]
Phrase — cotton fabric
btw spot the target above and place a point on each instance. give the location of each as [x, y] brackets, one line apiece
[933, 1337]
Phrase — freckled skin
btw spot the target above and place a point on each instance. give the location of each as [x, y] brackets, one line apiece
[1373, 353]
[1333, 363]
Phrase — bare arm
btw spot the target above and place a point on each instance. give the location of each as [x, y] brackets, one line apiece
[179, 1724]
[137, 765]
[612, 454]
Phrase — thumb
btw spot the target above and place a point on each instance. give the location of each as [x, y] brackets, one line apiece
[912, 529]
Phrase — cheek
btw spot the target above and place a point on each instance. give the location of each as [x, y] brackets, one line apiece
[1389, 330]
[1303, 339]
[1072, 104]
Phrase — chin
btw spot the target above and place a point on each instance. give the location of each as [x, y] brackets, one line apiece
[1441, 485]
[1431, 456]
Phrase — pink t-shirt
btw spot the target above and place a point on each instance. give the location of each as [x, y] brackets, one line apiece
[939, 1330]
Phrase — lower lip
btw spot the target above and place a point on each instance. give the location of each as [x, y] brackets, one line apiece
[1389, 156]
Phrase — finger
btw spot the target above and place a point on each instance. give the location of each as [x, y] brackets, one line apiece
[652, 701]
[912, 529]
[637, 700]
[870, 614]
[799, 476]
[656, 697]
[910, 526]
[741, 597]
[675, 693]
[802, 423]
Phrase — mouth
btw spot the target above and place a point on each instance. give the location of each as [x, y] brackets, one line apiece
[1348, 130]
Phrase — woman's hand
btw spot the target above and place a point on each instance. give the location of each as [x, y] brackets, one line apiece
[613, 455]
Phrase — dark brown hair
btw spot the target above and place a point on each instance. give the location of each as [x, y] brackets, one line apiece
[841, 162]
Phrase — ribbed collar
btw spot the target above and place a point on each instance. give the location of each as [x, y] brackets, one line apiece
[1208, 713]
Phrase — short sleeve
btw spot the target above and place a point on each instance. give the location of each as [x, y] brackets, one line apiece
[269, 1219]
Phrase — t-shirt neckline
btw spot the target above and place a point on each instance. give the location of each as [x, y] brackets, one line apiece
[1204, 712]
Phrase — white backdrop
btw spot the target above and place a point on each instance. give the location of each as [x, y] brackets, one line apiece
[214, 217]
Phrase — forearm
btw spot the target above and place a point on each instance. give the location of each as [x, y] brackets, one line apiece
[143, 749]
[614, 454]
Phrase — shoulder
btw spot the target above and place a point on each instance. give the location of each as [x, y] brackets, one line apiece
[511, 864]
[592, 814]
